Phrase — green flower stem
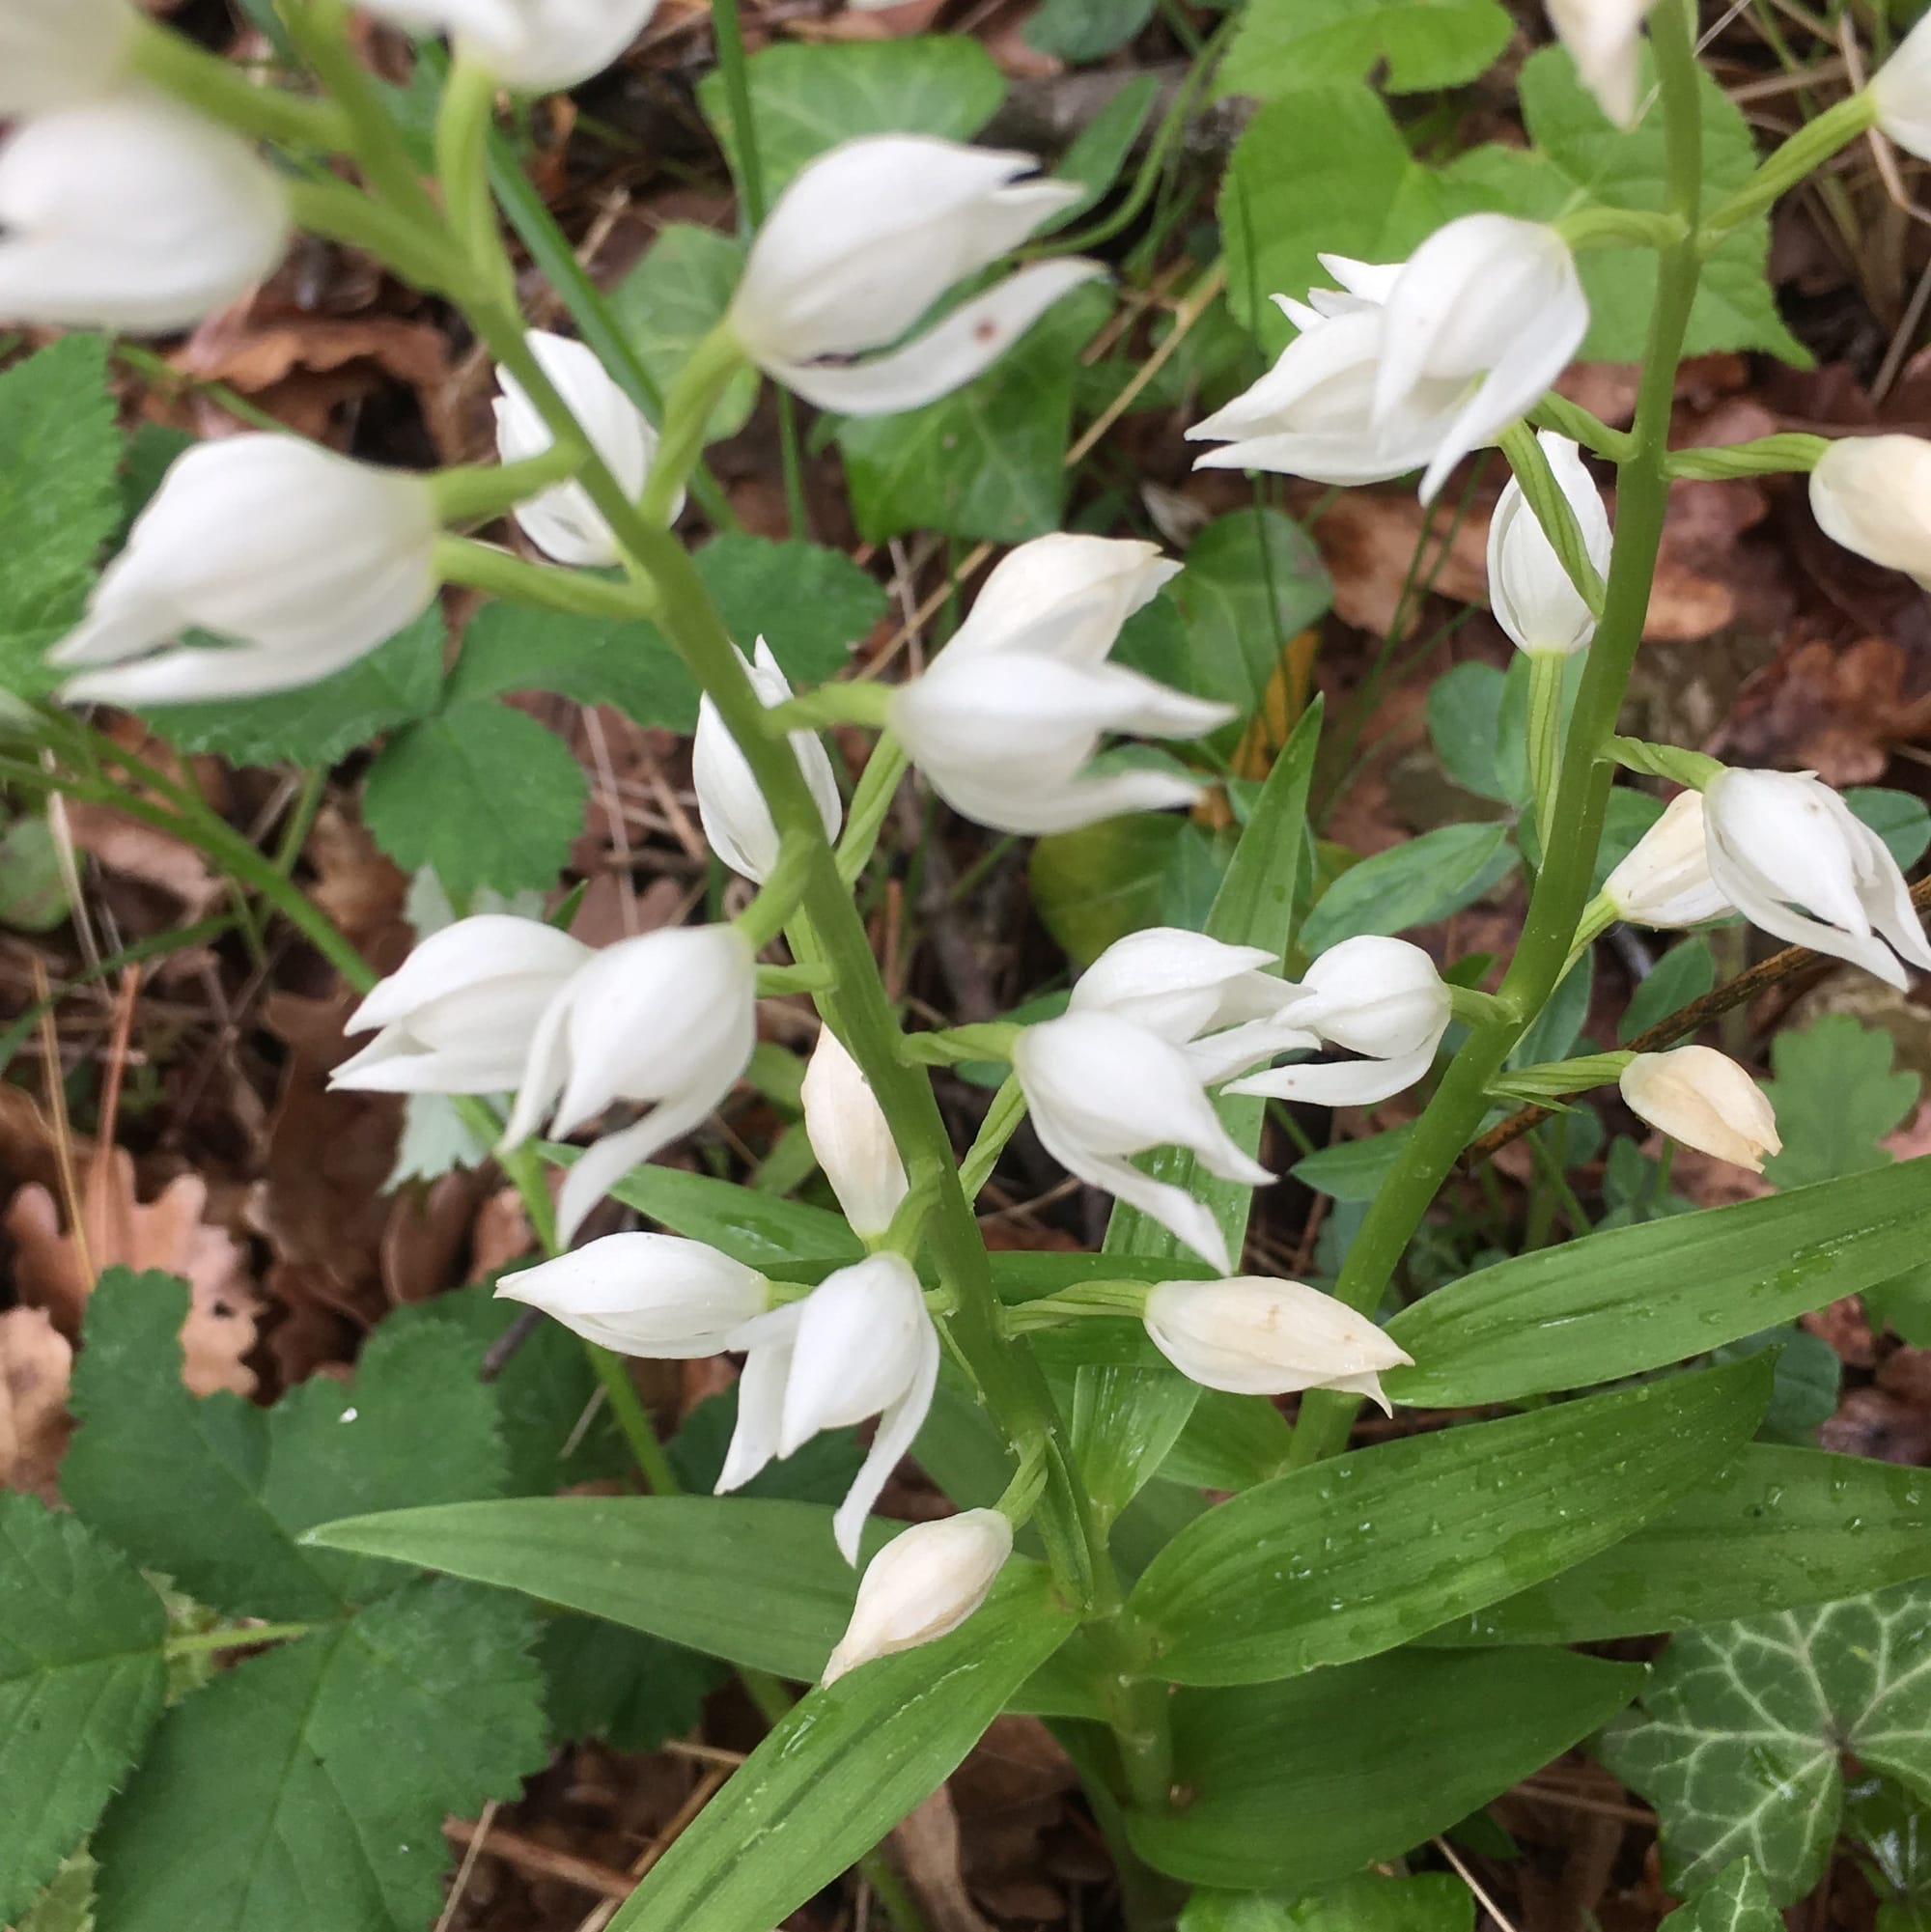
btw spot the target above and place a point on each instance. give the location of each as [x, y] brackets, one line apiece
[1789, 453]
[1581, 426]
[1555, 1078]
[853, 703]
[773, 982]
[1618, 227]
[1001, 1123]
[699, 387]
[1461, 1100]
[871, 805]
[480, 492]
[1091, 1301]
[1545, 736]
[233, 1637]
[1693, 768]
[1807, 150]
[777, 899]
[223, 91]
[339, 213]
[462, 127]
[1598, 916]
[1474, 1008]
[545, 586]
[1553, 511]
[949, 1046]
[640, 1433]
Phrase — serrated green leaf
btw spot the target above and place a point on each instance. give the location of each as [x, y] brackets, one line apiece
[1325, 172]
[812, 605]
[307, 1786]
[672, 300]
[1434, 1901]
[594, 660]
[213, 1491]
[987, 461]
[632, 1691]
[481, 793]
[1325, 1565]
[1735, 1900]
[82, 1684]
[1285, 45]
[1274, 1803]
[59, 499]
[846, 1765]
[1413, 884]
[1252, 580]
[1580, 158]
[1780, 1528]
[1836, 1096]
[67, 1905]
[807, 98]
[1627, 1299]
[1738, 1738]
[395, 684]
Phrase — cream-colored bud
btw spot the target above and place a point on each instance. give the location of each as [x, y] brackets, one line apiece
[1666, 882]
[850, 1136]
[923, 1586]
[1706, 1101]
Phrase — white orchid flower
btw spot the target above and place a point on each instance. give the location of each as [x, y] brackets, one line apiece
[850, 1136]
[922, 1585]
[538, 47]
[56, 52]
[1872, 495]
[1664, 882]
[1530, 591]
[1703, 1099]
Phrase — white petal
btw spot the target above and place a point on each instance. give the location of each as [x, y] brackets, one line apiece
[898, 1430]
[1339, 1083]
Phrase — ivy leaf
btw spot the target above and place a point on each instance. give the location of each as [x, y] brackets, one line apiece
[1412, 885]
[1892, 1831]
[1836, 1096]
[1285, 45]
[308, 1785]
[1739, 1739]
[81, 1684]
[672, 300]
[808, 98]
[1434, 1901]
[1580, 158]
[481, 792]
[1735, 1900]
[987, 461]
[60, 498]
[1900, 818]
[215, 1492]
[1086, 30]
[395, 684]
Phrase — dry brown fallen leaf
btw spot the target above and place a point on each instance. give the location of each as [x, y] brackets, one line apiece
[1830, 710]
[168, 1234]
[35, 1362]
[144, 853]
[927, 1846]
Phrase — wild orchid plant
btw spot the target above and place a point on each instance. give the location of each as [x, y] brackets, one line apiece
[135, 196]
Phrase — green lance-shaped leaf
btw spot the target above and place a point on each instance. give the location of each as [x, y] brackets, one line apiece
[1740, 1736]
[1125, 1419]
[1780, 1528]
[1357, 1556]
[1267, 1799]
[1635, 1299]
[845, 1765]
[82, 1684]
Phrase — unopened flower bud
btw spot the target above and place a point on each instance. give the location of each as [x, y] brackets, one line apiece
[1604, 39]
[1872, 495]
[1703, 1099]
[537, 45]
[862, 1343]
[458, 1016]
[1792, 858]
[1664, 882]
[865, 240]
[56, 52]
[730, 803]
[851, 1138]
[303, 560]
[1255, 1337]
[1529, 589]
[655, 1295]
[129, 213]
[922, 1585]
[1900, 90]
[562, 522]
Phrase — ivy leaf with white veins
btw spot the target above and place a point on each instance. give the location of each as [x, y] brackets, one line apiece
[1739, 1740]
[1735, 1900]
[82, 1683]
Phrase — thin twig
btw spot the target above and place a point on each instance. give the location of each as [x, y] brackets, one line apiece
[530, 1855]
[1474, 1885]
[63, 1128]
[467, 1870]
[1788, 963]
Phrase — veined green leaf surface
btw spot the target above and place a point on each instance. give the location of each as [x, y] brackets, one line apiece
[1780, 1528]
[845, 1765]
[1274, 1803]
[1357, 1556]
[1635, 1299]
